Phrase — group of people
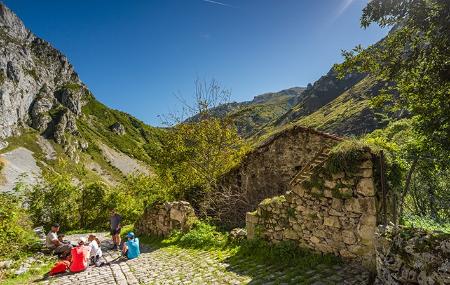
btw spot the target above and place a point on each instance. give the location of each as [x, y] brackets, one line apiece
[87, 251]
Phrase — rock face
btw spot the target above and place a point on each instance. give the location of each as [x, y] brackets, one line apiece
[266, 172]
[329, 212]
[117, 128]
[412, 256]
[162, 219]
[38, 86]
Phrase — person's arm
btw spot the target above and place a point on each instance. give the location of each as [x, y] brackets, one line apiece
[118, 224]
[56, 242]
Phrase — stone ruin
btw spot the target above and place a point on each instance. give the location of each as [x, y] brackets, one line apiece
[328, 212]
[162, 219]
[266, 172]
[412, 256]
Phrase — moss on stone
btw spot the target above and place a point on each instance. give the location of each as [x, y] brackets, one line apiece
[2, 78]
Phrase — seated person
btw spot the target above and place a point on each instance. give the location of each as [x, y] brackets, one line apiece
[131, 246]
[80, 256]
[52, 242]
[96, 251]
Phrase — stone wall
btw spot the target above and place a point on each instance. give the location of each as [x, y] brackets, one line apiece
[412, 256]
[266, 171]
[331, 212]
[161, 219]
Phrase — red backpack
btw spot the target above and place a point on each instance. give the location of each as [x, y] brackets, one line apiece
[60, 267]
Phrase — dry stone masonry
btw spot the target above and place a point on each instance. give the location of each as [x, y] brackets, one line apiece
[161, 219]
[412, 256]
[331, 212]
[266, 171]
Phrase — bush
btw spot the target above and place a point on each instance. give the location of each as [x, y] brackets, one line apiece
[16, 234]
[79, 207]
[202, 235]
[55, 200]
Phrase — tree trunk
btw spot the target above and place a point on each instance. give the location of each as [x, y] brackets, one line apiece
[405, 191]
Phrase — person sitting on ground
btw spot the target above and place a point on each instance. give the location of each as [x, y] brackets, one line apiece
[131, 246]
[96, 251]
[115, 228]
[80, 256]
[52, 242]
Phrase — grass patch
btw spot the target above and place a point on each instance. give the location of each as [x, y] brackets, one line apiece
[282, 253]
[202, 235]
[244, 255]
[33, 275]
[412, 221]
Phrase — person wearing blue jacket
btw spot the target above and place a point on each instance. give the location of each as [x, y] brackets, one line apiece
[131, 246]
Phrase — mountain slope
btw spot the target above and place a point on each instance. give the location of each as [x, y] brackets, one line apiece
[46, 109]
[252, 116]
[338, 106]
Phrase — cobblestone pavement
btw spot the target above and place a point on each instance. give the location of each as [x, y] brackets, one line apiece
[173, 265]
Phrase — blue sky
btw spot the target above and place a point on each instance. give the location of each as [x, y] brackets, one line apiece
[134, 55]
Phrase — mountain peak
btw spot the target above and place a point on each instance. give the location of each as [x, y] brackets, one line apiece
[12, 24]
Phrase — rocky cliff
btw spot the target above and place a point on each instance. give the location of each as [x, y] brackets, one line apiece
[47, 111]
[38, 86]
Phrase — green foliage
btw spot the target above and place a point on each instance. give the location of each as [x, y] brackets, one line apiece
[2, 78]
[134, 194]
[207, 237]
[86, 206]
[72, 86]
[413, 221]
[414, 56]
[347, 156]
[54, 200]
[92, 201]
[428, 197]
[194, 155]
[284, 252]
[16, 234]
[140, 140]
[202, 235]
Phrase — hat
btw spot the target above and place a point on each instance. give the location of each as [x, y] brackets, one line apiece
[82, 240]
[130, 235]
[56, 225]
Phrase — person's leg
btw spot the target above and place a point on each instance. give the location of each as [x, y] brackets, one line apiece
[64, 248]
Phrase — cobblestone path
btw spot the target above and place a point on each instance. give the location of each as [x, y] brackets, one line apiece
[173, 265]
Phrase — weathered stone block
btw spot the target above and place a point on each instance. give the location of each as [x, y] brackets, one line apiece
[330, 184]
[348, 237]
[365, 187]
[353, 205]
[331, 222]
[299, 190]
[251, 218]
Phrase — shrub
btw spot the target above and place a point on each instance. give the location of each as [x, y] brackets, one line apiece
[54, 200]
[202, 235]
[16, 234]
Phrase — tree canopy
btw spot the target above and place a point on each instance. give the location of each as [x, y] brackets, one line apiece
[413, 60]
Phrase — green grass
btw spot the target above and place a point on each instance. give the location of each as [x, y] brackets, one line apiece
[412, 221]
[32, 276]
[207, 237]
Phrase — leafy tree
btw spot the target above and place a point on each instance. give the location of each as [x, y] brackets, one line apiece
[93, 206]
[54, 200]
[135, 193]
[196, 151]
[415, 57]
